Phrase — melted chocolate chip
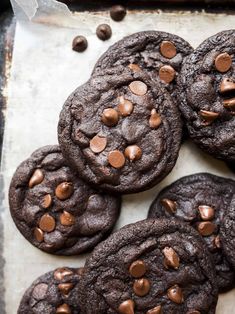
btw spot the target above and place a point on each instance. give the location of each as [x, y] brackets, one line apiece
[61, 273]
[127, 307]
[138, 88]
[175, 294]
[167, 74]
[47, 223]
[110, 117]
[168, 49]
[169, 205]
[116, 159]
[133, 152]
[223, 62]
[137, 269]
[67, 219]
[36, 178]
[64, 190]
[141, 287]
[171, 258]
[98, 143]
[206, 228]
[155, 119]
[206, 212]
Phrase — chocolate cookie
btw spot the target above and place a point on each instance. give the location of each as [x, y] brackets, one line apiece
[54, 292]
[121, 131]
[150, 267]
[207, 95]
[54, 209]
[202, 200]
[159, 53]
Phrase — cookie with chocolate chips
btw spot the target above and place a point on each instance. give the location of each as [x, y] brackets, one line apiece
[121, 131]
[202, 200]
[54, 209]
[150, 267]
[158, 53]
[54, 292]
[207, 95]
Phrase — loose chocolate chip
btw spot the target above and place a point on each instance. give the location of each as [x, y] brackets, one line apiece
[208, 116]
[168, 49]
[40, 291]
[61, 273]
[217, 242]
[167, 73]
[155, 119]
[39, 235]
[104, 32]
[206, 212]
[138, 88]
[171, 258]
[141, 287]
[110, 117]
[36, 178]
[117, 13]
[47, 200]
[133, 152]
[67, 219]
[116, 159]
[223, 62]
[65, 288]
[227, 86]
[175, 294]
[156, 310]
[63, 309]
[229, 103]
[47, 223]
[127, 307]
[169, 205]
[206, 228]
[137, 269]
[125, 107]
[64, 190]
[98, 143]
[134, 67]
[80, 44]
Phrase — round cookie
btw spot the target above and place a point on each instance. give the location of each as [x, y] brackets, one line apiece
[54, 209]
[150, 267]
[54, 292]
[202, 200]
[207, 95]
[158, 53]
[121, 131]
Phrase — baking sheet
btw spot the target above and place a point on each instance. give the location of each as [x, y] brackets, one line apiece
[44, 72]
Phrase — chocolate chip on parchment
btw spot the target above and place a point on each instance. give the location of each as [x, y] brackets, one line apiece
[116, 159]
[168, 49]
[104, 32]
[137, 269]
[206, 212]
[138, 88]
[36, 178]
[141, 287]
[167, 73]
[155, 119]
[125, 107]
[223, 62]
[206, 228]
[47, 223]
[79, 44]
[169, 205]
[64, 190]
[110, 117]
[175, 294]
[117, 13]
[98, 143]
[127, 307]
[155, 310]
[133, 152]
[171, 258]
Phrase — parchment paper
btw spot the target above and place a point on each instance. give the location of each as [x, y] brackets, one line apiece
[44, 72]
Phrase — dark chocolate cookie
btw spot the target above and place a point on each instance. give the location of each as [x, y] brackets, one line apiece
[150, 267]
[54, 209]
[207, 95]
[121, 131]
[54, 292]
[159, 53]
[202, 200]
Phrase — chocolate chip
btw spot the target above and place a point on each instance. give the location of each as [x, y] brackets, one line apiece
[80, 44]
[208, 116]
[167, 73]
[206, 212]
[47, 223]
[125, 107]
[127, 307]
[169, 205]
[116, 159]
[110, 117]
[104, 32]
[217, 242]
[175, 294]
[206, 228]
[36, 178]
[67, 219]
[155, 119]
[98, 143]
[40, 291]
[61, 273]
[138, 88]
[223, 62]
[63, 309]
[156, 310]
[65, 288]
[229, 103]
[226, 86]
[168, 49]
[47, 200]
[134, 67]
[133, 152]
[171, 258]
[39, 235]
[64, 190]
[137, 269]
[117, 13]
[141, 287]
